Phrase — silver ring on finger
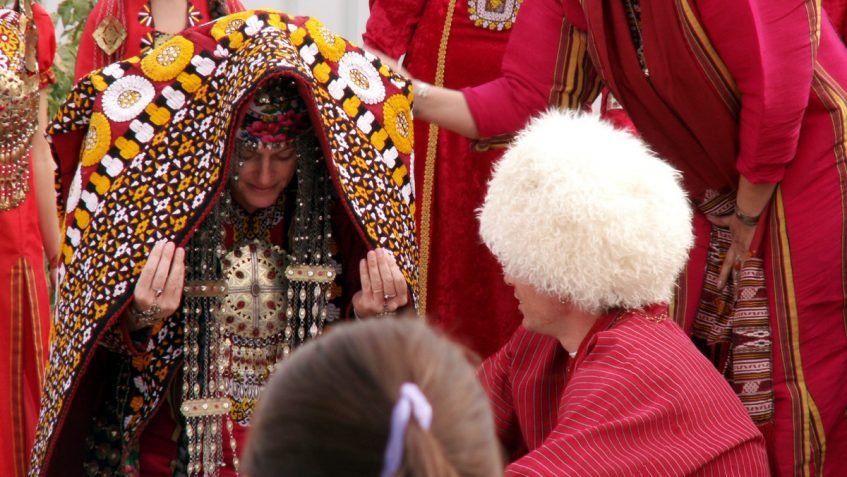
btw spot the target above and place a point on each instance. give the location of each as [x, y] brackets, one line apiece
[388, 297]
[157, 292]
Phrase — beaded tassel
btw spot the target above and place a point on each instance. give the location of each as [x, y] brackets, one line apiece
[310, 244]
[203, 369]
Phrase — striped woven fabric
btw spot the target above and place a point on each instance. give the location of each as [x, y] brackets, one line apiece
[640, 399]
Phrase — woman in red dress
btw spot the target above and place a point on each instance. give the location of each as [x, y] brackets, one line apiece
[27, 207]
[462, 289]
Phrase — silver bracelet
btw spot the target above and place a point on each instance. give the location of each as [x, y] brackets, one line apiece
[749, 220]
[147, 317]
[378, 315]
[421, 88]
[421, 91]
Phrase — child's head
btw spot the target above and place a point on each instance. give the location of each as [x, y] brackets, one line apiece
[332, 408]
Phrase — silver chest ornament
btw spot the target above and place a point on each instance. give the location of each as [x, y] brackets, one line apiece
[267, 305]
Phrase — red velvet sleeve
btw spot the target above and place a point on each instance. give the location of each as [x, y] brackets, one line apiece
[351, 249]
[391, 24]
[546, 62]
[46, 45]
[767, 47]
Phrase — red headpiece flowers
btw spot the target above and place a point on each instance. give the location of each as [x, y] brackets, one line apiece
[276, 115]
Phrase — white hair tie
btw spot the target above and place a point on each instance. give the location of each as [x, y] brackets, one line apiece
[411, 402]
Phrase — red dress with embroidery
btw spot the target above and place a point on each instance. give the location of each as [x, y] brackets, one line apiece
[462, 288]
[141, 33]
[24, 303]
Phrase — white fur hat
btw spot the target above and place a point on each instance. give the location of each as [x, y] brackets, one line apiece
[588, 213]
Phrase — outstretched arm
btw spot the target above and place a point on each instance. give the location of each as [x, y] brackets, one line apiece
[546, 64]
[445, 107]
[43, 171]
[770, 55]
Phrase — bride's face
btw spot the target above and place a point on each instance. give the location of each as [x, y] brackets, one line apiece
[265, 173]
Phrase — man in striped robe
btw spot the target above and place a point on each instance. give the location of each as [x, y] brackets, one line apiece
[592, 231]
[748, 99]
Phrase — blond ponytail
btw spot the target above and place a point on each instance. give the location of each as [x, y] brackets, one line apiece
[327, 409]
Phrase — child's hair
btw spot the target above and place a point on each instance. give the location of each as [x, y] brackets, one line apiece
[327, 411]
[218, 8]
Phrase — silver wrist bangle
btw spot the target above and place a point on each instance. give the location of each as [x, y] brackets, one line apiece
[421, 88]
[378, 315]
[145, 318]
[749, 220]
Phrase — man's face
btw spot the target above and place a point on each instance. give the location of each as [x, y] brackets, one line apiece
[542, 313]
[265, 174]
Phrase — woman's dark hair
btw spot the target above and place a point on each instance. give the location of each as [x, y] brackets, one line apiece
[327, 409]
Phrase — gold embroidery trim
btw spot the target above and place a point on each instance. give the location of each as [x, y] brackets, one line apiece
[18, 105]
[429, 165]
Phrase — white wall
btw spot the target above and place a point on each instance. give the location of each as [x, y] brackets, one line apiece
[345, 17]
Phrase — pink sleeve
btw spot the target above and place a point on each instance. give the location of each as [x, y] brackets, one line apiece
[545, 50]
[767, 47]
[391, 24]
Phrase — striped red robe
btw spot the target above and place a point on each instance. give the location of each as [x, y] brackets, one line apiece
[638, 399]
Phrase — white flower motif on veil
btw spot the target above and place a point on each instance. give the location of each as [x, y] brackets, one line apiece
[362, 77]
[127, 97]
